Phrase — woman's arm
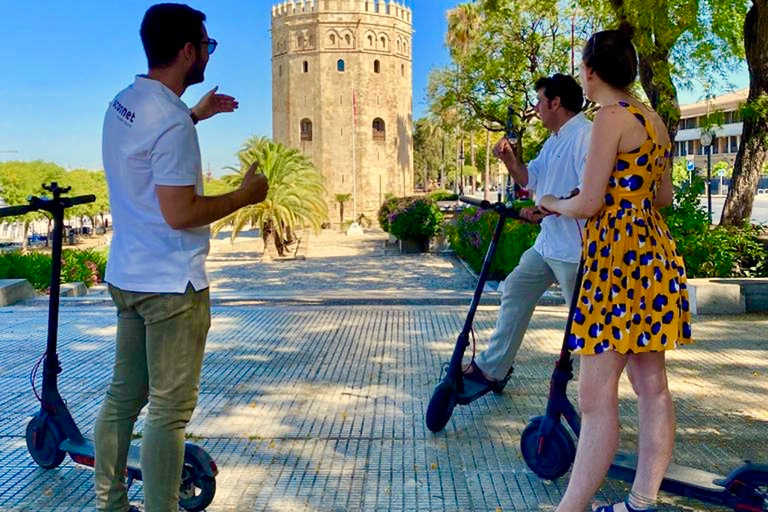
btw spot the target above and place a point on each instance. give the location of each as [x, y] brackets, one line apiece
[601, 159]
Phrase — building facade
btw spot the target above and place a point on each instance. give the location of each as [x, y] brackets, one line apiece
[342, 93]
[727, 136]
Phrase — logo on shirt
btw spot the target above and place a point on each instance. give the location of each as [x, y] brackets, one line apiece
[123, 112]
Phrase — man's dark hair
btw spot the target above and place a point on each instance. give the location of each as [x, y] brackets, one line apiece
[563, 87]
[165, 30]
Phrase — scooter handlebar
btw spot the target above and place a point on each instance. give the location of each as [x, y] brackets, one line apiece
[480, 203]
[72, 201]
[509, 211]
[10, 211]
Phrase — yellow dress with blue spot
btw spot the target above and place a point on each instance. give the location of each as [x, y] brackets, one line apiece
[633, 296]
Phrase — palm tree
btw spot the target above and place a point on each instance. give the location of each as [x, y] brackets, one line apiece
[295, 199]
[463, 24]
[341, 199]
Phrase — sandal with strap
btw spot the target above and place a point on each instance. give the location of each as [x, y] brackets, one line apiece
[630, 508]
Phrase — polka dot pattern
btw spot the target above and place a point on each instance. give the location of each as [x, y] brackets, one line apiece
[633, 295]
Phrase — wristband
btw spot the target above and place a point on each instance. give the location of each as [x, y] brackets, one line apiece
[194, 117]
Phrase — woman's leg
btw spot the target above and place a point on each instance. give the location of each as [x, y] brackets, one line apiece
[648, 375]
[599, 403]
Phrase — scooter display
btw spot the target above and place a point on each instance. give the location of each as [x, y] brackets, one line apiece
[454, 388]
[52, 432]
[548, 450]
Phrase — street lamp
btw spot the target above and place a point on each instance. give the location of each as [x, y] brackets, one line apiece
[461, 168]
[706, 142]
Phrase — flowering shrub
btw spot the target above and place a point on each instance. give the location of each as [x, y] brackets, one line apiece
[389, 205]
[471, 235]
[415, 218]
[76, 265]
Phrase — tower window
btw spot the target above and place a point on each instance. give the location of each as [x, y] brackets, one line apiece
[306, 129]
[333, 39]
[280, 70]
[402, 69]
[379, 130]
[376, 66]
[340, 65]
[348, 39]
[370, 40]
[306, 66]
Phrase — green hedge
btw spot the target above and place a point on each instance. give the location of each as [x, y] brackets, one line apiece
[471, 233]
[443, 195]
[86, 265]
[713, 252]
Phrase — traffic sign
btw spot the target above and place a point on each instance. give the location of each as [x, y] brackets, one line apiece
[721, 172]
[691, 166]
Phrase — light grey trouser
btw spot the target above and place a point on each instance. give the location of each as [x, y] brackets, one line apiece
[523, 287]
[158, 358]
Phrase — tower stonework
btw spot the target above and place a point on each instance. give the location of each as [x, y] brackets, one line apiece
[342, 93]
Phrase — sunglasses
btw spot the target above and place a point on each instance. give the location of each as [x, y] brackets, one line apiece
[210, 44]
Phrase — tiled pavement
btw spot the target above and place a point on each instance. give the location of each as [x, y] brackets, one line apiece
[321, 407]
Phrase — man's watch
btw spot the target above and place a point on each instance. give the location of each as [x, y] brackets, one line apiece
[194, 117]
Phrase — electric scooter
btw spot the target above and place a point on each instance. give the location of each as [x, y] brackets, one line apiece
[52, 432]
[548, 450]
[454, 388]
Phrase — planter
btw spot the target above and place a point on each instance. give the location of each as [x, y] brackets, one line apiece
[414, 246]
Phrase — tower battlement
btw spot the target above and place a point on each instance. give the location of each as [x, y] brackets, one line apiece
[389, 8]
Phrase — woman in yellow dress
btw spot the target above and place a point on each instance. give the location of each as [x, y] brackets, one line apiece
[632, 304]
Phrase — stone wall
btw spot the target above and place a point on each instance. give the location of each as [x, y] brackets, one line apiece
[342, 93]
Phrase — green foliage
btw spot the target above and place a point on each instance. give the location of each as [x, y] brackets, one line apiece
[296, 192]
[415, 218]
[35, 267]
[85, 182]
[442, 195]
[712, 252]
[87, 266]
[216, 187]
[388, 206]
[471, 235]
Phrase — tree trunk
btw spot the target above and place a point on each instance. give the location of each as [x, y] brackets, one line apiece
[752, 151]
[341, 214]
[656, 79]
[487, 172]
[473, 178]
[271, 244]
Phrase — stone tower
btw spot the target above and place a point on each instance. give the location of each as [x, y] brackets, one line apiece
[342, 93]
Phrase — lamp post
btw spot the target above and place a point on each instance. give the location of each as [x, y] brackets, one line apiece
[461, 167]
[706, 142]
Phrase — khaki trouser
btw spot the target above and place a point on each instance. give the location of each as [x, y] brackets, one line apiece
[159, 355]
[523, 287]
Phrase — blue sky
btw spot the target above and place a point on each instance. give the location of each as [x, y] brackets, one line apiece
[64, 62]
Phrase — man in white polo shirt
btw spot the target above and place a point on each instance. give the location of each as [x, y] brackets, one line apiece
[557, 170]
[156, 267]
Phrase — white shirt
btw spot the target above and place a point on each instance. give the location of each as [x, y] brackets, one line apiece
[149, 139]
[557, 170]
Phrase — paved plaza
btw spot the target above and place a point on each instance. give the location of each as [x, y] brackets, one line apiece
[317, 376]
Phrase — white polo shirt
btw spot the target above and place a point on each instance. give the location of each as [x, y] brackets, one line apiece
[149, 139]
[557, 170]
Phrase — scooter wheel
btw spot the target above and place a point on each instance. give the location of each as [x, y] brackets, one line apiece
[47, 453]
[753, 494]
[441, 407]
[197, 489]
[558, 450]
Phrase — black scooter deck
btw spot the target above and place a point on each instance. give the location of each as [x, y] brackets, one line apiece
[679, 480]
[472, 391]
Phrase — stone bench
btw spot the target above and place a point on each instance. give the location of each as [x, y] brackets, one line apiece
[728, 296]
[76, 289]
[14, 290]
